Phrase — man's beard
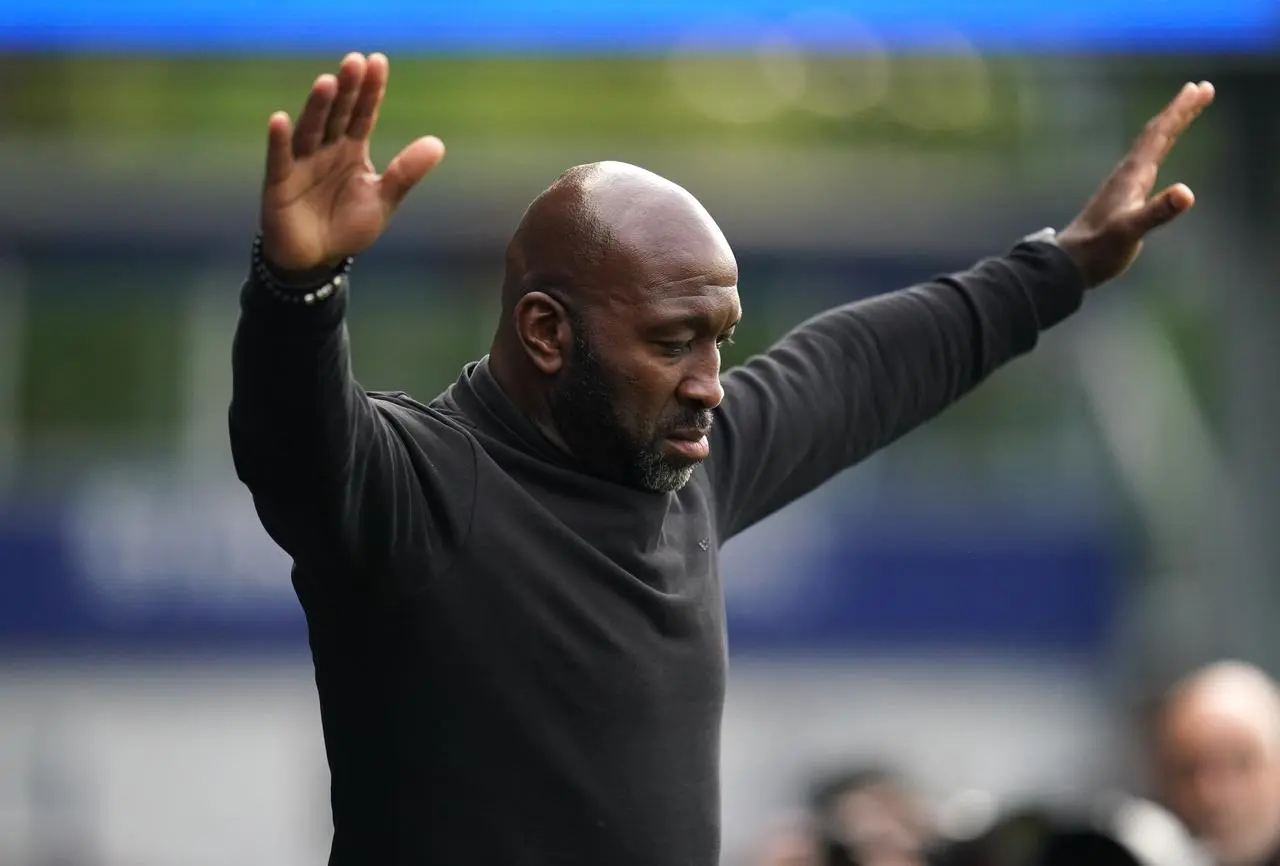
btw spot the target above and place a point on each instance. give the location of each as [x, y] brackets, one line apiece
[584, 406]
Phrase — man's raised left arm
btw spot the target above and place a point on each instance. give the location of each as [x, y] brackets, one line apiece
[853, 379]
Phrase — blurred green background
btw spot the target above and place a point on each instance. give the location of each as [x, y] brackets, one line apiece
[168, 151]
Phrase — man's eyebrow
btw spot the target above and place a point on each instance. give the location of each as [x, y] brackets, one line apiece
[697, 322]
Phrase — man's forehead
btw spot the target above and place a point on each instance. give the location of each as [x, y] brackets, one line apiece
[695, 298]
[1197, 726]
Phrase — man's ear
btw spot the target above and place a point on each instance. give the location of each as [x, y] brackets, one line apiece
[545, 331]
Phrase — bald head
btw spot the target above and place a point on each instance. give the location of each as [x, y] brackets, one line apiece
[1229, 690]
[1219, 738]
[607, 230]
[619, 290]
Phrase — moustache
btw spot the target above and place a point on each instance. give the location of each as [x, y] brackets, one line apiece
[696, 422]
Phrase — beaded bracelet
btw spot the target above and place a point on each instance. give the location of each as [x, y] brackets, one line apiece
[297, 294]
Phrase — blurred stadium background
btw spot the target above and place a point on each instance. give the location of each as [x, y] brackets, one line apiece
[985, 605]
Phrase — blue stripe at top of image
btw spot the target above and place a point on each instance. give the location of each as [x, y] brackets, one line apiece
[631, 25]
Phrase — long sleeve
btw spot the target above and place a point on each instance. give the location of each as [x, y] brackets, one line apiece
[359, 489]
[855, 378]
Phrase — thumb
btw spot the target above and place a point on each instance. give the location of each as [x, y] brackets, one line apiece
[407, 168]
[1161, 210]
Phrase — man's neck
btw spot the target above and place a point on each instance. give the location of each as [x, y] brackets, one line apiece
[528, 399]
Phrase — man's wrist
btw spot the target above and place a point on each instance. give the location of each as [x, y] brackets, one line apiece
[1052, 238]
[1052, 279]
[309, 278]
[298, 287]
[1045, 236]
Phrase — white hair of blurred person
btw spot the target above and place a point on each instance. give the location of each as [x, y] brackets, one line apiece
[1218, 761]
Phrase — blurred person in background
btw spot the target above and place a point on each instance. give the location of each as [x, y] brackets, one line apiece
[870, 816]
[1217, 750]
[512, 593]
[857, 816]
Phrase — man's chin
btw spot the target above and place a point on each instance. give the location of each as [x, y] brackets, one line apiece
[663, 474]
[1231, 851]
[673, 482]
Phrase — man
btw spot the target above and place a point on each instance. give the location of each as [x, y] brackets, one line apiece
[512, 591]
[1218, 753]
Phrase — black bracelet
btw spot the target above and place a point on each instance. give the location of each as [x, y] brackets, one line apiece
[297, 294]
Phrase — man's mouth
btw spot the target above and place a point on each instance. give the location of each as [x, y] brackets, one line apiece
[690, 443]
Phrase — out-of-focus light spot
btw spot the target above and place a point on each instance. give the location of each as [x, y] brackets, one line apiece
[848, 69]
[1154, 835]
[967, 815]
[745, 87]
[946, 91]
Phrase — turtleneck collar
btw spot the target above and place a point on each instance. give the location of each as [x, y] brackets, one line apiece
[482, 399]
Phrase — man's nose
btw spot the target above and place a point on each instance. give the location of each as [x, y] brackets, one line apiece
[703, 387]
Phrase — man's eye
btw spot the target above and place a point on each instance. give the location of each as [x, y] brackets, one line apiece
[673, 349]
[726, 340]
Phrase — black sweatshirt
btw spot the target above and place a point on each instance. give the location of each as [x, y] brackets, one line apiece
[520, 664]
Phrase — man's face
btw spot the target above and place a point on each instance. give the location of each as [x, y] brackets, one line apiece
[635, 401]
[1221, 776]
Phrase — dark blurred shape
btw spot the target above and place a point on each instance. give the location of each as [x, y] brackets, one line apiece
[1040, 836]
[1084, 847]
[1016, 839]
[871, 816]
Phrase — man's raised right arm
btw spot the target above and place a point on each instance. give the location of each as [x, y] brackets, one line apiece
[353, 488]
[344, 483]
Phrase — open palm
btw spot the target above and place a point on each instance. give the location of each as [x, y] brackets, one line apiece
[323, 199]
